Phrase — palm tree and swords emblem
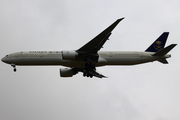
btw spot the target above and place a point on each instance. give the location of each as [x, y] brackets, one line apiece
[158, 45]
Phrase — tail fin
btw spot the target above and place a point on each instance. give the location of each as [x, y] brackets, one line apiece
[158, 44]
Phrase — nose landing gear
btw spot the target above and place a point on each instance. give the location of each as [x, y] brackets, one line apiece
[14, 66]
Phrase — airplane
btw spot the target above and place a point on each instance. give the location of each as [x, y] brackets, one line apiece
[88, 57]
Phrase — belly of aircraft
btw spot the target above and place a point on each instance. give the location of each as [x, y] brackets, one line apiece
[125, 60]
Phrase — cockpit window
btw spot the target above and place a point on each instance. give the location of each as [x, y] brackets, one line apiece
[6, 55]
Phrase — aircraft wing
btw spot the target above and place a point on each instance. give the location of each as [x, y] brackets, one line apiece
[97, 43]
[96, 74]
[89, 54]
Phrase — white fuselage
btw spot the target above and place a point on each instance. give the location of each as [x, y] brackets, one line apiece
[105, 58]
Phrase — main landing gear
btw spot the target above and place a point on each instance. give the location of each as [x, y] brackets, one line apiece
[87, 74]
[88, 67]
[14, 66]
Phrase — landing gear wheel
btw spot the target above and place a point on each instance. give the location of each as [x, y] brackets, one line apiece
[91, 75]
[87, 74]
[84, 74]
[15, 69]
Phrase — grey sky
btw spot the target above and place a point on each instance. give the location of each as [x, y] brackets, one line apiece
[143, 92]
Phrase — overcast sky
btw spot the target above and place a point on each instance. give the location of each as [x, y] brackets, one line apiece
[143, 92]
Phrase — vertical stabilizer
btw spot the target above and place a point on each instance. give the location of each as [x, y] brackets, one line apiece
[158, 44]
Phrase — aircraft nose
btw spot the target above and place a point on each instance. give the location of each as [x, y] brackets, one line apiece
[3, 59]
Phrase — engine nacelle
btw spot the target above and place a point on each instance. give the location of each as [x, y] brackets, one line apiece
[67, 72]
[69, 55]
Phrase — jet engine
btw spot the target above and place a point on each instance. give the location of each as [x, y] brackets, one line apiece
[67, 72]
[69, 55]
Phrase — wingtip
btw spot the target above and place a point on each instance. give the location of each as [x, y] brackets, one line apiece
[120, 19]
[105, 76]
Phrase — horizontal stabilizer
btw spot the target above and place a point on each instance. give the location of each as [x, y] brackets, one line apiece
[164, 61]
[165, 50]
